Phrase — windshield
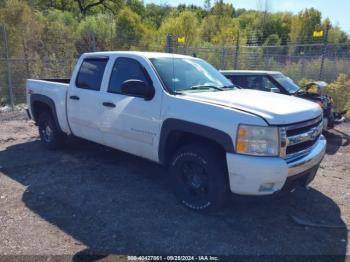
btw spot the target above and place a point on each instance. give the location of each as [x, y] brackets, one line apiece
[286, 82]
[190, 74]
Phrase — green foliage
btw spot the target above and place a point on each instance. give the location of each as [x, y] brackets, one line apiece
[58, 16]
[62, 5]
[84, 23]
[93, 7]
[277, 24]
[22, 25]
[304, 24]
[57, 37]
[184, 24]
[302, 27]
[128, 29]
[94, 33]
[222, 9]
[50, 35]
[272, 39]
[136, 6]
[339, 90]
[155, 14]
[219, 27]
[336, 35]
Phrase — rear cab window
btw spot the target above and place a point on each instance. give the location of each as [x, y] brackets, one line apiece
[91, 72]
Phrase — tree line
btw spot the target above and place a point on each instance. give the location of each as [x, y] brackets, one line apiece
[66, 28]
[46, 36]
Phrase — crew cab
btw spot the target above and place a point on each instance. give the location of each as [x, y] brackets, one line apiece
[181, 112]
[274, 81]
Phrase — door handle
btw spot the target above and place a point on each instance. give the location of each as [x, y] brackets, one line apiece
[108, 104]
[74, 97]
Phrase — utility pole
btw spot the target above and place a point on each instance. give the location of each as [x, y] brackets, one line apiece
[8, 65]
[169, 43]
[302, 72]
[223, 57]
[237, 51]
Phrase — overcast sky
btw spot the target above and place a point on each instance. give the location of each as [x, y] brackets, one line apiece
[337, 10]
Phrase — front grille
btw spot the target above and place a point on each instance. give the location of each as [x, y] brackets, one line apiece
[297, 139]
[292, 149]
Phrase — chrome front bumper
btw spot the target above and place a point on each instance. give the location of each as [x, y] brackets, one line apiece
[255, 175]
[311, 159]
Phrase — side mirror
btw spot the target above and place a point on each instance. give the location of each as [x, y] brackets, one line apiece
[275, 90]
[137, 88]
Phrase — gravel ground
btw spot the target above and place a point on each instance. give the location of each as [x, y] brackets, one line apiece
[87, 199]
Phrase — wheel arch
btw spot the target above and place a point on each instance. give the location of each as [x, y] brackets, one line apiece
[175, 132]
[41, 103]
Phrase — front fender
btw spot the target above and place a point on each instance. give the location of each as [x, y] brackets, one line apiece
[170, 125]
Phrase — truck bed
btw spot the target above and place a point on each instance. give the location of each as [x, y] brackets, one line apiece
[57, 80]
[44, 84]
[55, 90]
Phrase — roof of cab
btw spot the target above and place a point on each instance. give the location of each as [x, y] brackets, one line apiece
[138, 53]
[249, 72]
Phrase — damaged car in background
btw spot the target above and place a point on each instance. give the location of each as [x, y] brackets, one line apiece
[276, 82]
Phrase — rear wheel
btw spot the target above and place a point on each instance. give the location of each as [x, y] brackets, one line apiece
[51, 136]
[199, 177]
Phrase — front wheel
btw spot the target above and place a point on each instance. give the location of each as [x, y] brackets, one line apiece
[199, 177]
[51, 137]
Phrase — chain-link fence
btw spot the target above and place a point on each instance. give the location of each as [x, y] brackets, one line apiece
[20, 69]
[317, 61]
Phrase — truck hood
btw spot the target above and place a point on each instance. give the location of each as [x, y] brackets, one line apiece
[276, 109]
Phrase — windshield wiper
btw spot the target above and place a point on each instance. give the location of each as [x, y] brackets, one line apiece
[229, 87]
[204, 87]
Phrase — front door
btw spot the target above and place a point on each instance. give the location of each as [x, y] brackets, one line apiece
[129, 123]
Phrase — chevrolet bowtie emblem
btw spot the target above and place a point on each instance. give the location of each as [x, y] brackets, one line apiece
[313, 133]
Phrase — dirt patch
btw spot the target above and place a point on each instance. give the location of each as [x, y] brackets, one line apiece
[88, 198]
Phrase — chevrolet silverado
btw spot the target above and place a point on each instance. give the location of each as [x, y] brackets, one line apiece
[181, 112]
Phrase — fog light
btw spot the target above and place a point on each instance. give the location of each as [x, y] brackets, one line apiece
[266, 187]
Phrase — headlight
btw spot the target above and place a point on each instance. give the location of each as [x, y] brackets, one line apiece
[257, 140]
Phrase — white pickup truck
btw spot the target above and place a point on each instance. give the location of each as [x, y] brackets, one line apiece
[181, 112]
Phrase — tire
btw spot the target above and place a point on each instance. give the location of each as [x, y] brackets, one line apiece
[331, 119]
[199, 177]
[51, 137]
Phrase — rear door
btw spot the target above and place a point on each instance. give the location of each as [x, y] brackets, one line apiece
[84, 99]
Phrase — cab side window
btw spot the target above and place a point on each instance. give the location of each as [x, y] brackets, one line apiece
[238, 80]
[126, 69]
[257, 82]
[261, 83]
[91, 73]
[268, 85]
